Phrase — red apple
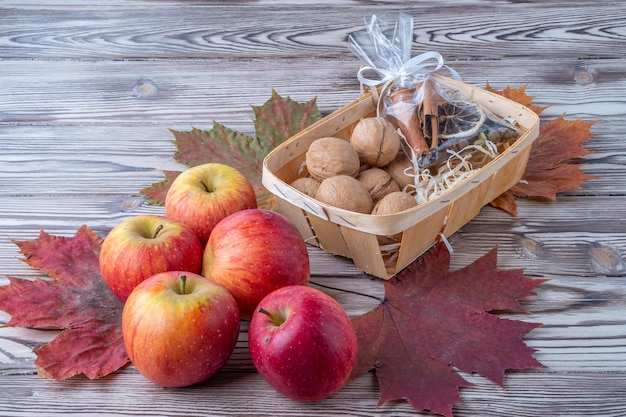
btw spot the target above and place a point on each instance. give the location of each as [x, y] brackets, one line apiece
[303, 343]
[179, 328]
[203, 195]
[144, 245]
[254, 252]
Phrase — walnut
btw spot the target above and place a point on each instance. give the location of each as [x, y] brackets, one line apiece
[376, 141]
[378, 182]
[394, 203]
[329, 156]
[346, 192]
[398, 169]
[390, 204]
[306, 185]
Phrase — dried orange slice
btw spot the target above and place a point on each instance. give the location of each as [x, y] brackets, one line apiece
[459, 119]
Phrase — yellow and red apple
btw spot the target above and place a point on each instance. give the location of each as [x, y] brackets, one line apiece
[179, 328]
[203, 195]
[254, 252]
[144, 245]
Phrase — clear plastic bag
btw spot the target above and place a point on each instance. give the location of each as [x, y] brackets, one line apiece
[434, 121]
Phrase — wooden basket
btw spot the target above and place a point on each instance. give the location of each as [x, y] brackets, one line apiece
[355, 235]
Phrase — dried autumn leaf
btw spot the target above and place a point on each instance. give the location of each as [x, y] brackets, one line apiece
[220, 144]
[276, 120]
[552, 166]
[519, 96]
[156, 192]
[75, 300]
[432, 321]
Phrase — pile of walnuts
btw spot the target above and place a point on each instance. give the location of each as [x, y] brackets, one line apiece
[365, 175]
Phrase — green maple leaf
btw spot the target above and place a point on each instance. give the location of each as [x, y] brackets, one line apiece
[275, 121]
[279, 118]
[156, 192]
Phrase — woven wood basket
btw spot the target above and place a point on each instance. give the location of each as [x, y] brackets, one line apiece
[355, 235]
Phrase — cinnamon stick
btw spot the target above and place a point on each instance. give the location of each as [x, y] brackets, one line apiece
[430, 112]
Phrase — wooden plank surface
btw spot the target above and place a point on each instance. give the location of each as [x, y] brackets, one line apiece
[465, 29]
[195, 91]
[88, 91]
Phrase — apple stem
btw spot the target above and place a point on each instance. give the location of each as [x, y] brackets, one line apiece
[182, 280]
[157, 231]
[277, 320]
[206, 187]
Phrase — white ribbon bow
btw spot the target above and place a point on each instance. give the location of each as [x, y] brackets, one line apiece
[385, 53]
[416, 67]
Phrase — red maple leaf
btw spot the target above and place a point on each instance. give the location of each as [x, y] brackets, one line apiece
[75, 300]
[432, 321]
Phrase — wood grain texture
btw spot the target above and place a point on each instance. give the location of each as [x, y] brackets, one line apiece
[469, 30]
[89, 89]
[134, 397]
[198, 91]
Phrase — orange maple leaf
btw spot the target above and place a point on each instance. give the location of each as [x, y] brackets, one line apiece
[553, 166]
[519, 96]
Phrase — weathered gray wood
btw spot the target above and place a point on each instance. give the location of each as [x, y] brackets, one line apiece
[197, 92]
[456, 29]
[137, 152]
[532, 394]
[89, 89]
